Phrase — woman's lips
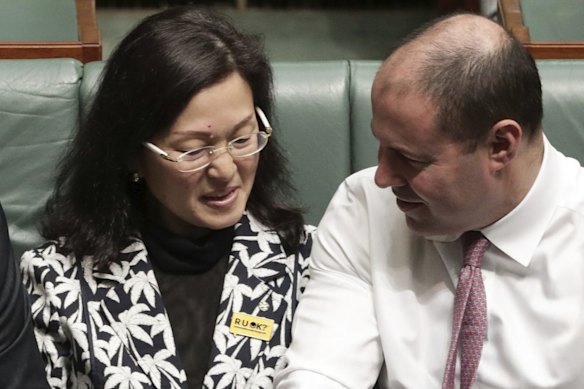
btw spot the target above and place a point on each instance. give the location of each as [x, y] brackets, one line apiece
[221, 200]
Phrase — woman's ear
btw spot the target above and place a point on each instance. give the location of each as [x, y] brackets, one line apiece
[135, 166]
[503, 142]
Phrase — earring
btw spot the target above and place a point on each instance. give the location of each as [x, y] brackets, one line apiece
[136, 177]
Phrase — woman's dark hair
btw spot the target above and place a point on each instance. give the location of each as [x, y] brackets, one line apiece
[147, 82]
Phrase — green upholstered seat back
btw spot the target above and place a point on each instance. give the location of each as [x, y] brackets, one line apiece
[563, 101]
[363, 144]
[313, 120]
[39, 110]
[322, 119]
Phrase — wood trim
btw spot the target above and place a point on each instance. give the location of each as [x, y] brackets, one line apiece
[556, 50]
[32, 50]
[86, 49]
[512, 19]
[88, 30]
[241, 5]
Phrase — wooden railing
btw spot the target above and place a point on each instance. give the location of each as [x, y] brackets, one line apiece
[512, 19]
[87, 48]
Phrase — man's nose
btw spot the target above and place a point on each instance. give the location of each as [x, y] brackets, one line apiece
[389, 170]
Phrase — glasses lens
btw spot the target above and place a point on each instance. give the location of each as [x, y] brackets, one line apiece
[243, 146]
[248, 144]
[195, 159]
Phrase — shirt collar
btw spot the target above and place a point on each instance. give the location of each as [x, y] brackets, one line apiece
[518, 233]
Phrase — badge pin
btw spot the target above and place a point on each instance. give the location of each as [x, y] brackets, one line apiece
[252, 326]
[263, 306]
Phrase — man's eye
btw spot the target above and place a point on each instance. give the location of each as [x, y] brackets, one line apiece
[416, 162]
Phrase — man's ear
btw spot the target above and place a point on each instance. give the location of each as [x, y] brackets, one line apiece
[503, 142]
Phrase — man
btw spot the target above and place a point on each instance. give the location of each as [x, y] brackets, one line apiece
[21, 366]
[457, 112]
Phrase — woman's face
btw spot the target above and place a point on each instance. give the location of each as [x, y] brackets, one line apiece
[214, 197]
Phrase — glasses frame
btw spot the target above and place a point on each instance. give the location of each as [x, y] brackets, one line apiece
[267, 132]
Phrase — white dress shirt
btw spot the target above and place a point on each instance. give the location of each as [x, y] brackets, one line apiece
[380, 298]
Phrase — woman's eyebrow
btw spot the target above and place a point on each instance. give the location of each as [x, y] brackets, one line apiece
[207, 133]
[244, 121]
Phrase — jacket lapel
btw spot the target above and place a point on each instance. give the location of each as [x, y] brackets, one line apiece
[259, 282]
[136, 331]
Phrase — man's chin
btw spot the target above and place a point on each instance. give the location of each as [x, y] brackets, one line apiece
[422, 227]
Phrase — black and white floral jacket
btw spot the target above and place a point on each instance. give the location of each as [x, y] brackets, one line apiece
[110, 329]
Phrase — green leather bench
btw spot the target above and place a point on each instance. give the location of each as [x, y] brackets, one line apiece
[323, 112]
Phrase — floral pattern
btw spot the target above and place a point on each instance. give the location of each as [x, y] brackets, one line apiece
[109, 329]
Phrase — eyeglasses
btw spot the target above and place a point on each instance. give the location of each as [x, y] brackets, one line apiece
[201, 157]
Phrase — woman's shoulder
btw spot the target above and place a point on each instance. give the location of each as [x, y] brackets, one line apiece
[48, 252]
[250, 221]
[54, 256]
[250, 226]
[48, 263]
[310, 231]
[305, 249]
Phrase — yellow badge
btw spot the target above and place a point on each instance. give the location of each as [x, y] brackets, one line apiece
[252, 326]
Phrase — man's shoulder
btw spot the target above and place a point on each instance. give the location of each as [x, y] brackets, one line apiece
[359, 200]
[570, 175]
[362, 177]
[573, 194]
[362, 185]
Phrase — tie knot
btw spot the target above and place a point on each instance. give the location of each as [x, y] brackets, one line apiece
[474, 245]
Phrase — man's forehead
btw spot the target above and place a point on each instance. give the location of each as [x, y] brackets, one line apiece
[399, 72]
[395, 87]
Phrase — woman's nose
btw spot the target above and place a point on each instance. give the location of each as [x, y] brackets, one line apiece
[222, 166]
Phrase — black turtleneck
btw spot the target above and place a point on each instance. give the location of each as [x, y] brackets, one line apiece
[190, 275]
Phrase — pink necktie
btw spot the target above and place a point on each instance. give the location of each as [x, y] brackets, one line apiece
[470, 314]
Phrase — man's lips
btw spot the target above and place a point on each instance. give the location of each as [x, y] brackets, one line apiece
[410, 199]
[407, 201]
[406, 206]
[405, 194]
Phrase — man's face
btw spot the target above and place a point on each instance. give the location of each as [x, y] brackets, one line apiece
[440, 188]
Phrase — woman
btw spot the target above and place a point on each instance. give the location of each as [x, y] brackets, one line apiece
[169, 244]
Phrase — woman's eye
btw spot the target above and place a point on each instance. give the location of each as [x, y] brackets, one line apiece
[195, 154]
[242, 141]
[189, 147]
